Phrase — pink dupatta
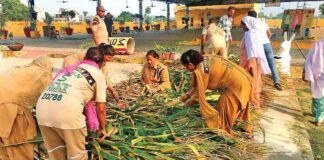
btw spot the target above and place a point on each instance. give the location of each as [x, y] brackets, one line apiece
[91, 114]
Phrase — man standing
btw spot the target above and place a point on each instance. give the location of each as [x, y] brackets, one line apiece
[60, 107]
[226, 23]
[265, 35]
[99, 30]
[216, 39]
[109, 23]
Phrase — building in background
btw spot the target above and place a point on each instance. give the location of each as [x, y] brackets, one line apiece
[58, 16]
[199, 15]
[40, 14]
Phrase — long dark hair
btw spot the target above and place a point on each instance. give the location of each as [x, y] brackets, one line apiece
[153, 54]
[191, 56]
[107, 49]
[95, 54]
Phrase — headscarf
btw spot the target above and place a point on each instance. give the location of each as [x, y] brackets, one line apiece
[315, 61]
[254, 48]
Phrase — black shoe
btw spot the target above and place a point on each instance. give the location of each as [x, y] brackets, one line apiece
[278, 86]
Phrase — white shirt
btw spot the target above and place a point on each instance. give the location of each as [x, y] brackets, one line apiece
[263, 27]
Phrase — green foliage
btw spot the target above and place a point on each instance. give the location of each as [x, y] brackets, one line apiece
[10, 35]
[278, 16]
[261, 15]
[159, 18]
[321, 8]
[71, 14]
[148, 11]
[3, 21]
[14, 10]
[48, 19]
[87, 45]
[148, 20]
[167, 47]
[147, 17]
[125, 16]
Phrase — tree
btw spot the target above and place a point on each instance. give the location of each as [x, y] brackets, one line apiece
[147, 11]
[278, 16]
[3, 21]
[147, 15]
[48, 19]
[70, 15]
[321, 8]
[125, 16]
[262, 15]
[14, 10]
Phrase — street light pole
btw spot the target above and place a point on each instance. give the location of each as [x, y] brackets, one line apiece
[168, 15]
[140, 4]
[32, 15]
[99, 3]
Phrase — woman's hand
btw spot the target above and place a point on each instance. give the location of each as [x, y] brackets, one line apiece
[102, 134]
[115, 95]
[152, 79]
[122, 105]
[154, 90]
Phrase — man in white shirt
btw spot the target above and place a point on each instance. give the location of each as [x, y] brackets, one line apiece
[226, 23]
[265, 38]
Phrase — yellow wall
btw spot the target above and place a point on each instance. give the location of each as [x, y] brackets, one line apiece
[276, 23]
[197, 13]
[17, 27]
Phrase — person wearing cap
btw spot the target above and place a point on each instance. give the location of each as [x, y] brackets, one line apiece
[216, 39]
[109, 53]
[99, 30]
[109, 23]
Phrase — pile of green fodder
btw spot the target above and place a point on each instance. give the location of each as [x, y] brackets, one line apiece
[151, 129]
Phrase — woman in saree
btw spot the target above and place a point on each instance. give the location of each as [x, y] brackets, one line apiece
[231, 80]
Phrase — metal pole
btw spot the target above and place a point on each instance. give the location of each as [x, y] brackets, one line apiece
[168, 15]
[99, 3]
[140, 4]
[187, 16]
[31, 4]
